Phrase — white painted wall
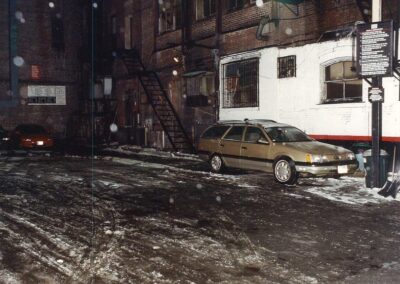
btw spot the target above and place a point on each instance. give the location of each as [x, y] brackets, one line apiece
[297, 100]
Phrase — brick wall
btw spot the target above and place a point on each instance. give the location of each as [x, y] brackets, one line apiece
[297, 26]
[56, 67]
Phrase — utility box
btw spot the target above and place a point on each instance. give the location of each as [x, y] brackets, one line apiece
[384, 162]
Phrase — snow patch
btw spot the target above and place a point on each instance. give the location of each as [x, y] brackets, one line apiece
[348, 190]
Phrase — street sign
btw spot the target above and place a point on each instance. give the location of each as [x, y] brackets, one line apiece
[375, 49]
[376, 94]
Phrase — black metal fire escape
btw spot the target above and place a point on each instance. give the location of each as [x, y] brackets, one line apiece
[159, 100]
[365, 7]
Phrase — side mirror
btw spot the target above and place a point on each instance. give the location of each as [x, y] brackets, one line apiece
[262, 141]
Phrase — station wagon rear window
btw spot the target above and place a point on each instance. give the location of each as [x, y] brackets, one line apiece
[287, 134]
[215, 132]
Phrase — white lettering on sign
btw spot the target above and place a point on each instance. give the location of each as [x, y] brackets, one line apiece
[46, 95]
[375, 49]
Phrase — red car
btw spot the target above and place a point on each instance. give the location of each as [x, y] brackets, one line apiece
[31, 136]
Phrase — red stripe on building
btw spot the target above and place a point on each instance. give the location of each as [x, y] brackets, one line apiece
[352, 138]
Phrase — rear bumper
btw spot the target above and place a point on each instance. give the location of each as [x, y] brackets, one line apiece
[326, 170]
[34, 145]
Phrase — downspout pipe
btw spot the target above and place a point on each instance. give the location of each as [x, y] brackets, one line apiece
[12, 51]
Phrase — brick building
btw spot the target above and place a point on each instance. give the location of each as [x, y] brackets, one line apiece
[188, 42]
[46, 62]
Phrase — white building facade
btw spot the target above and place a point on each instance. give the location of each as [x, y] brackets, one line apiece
[313, 87]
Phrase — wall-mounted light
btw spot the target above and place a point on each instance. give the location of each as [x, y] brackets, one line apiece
[51, 4]
[174, 72]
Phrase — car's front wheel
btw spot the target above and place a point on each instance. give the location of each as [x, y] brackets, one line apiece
[216, 164]
[285, 171]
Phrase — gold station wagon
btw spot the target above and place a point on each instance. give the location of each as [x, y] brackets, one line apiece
[269, 146]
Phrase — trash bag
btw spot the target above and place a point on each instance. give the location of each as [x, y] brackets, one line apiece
[390, 188]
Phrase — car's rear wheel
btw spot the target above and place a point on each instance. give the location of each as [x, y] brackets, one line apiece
[285, 171]
[216, 164]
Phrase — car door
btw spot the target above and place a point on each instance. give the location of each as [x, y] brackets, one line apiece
[230, 146]
[255, 150]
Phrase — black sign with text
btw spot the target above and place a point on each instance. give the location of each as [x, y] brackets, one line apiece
[376, 94]
[375, 49]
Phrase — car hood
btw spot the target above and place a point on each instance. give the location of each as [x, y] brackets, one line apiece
[315, 147]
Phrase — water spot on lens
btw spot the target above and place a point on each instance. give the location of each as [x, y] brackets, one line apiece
[19, 15]
[18, 61]
[288, 31]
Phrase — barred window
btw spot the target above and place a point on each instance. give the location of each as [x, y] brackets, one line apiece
[240, 84]
[287, 66]
[169, 15]
[342, 83]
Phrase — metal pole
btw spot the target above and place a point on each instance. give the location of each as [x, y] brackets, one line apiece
[376, 122]
[12, 34]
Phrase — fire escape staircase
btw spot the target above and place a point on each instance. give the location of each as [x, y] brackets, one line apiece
[159, 100]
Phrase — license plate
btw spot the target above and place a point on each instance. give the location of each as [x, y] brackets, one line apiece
[342, 169]
[39, 143]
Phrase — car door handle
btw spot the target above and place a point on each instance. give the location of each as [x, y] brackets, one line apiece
[244, 148]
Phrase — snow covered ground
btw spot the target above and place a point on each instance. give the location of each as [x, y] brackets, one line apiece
[163, 218]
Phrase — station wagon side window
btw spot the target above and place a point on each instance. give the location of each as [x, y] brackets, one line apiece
[253, 134]
[215, 132]
[236, 133]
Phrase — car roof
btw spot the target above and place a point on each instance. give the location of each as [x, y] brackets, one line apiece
[257, 122]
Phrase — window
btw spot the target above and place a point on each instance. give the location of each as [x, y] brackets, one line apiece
[342, 84]
[57, 32]
[236, 133]
[113, 35]
[287, 134]
[205, 9]
[215, 132]
[253, 134]
[170, 15]
[240, 84]
[198, 88]
[201, 85]
[128, 32]
[287, 66]
[235, 4]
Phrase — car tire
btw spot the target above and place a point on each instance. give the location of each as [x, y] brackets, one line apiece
[285, 171]
[216, 164]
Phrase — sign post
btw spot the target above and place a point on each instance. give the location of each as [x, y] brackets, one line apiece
[375, 60]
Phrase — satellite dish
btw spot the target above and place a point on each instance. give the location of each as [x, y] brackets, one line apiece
[113, 127]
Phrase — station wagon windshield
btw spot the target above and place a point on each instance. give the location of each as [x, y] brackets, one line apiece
[287, 134]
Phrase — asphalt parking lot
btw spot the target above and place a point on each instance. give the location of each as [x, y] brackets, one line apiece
[146, 217]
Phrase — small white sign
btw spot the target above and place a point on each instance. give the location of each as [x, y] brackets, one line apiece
[46, 95]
